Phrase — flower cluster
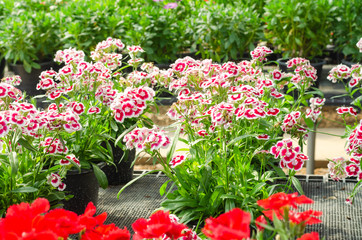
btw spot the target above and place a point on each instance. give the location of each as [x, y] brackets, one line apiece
[342, 72]
[339, 72]
[87, 105]
[105, 52]
[315, 109]
[346, 110]
[131, 103]
[290, 156]
[235, 224]
[28, 133]
[259, 53]
[282, 207]
[144, 138]
[305, 74]
[339, 167]
[162, 225]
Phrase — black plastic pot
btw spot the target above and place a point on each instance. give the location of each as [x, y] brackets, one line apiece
[122, 171]
[84, 187]
[2, 68]
[30, 80]
[317, 64]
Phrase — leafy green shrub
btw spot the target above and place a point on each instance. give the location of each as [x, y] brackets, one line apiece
[160, 32]
[30, 35]
[223, 32]
[88, 22]
[346, 27]
[298, 28]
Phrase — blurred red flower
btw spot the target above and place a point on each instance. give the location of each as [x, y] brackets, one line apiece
[231, 225]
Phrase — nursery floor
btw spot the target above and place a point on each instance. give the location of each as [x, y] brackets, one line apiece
[340, 221]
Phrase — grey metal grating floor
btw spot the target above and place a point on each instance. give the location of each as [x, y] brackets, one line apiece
[340, 221]
[139, 200]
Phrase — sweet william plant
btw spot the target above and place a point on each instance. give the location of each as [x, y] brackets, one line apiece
[339, 167]
[233, 117]
[97, 95]
[88, 103]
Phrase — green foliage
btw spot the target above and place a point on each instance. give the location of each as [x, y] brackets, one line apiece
[28, 34]
[162, 33]
[225, 32]
[347, 31]
[298, 28]
[88, 22]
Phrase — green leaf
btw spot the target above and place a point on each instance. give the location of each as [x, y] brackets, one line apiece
[309, 122]
[25, 190]
[229, 204]
[27, 145]
[101, 176]
[114, 126]
[174, 143]
[297, 185]
[232, 142]
[124, 133]
[13, 163]
[134, 180]
[179, 204]
[27, 67]
[257, 188]
[163, 187]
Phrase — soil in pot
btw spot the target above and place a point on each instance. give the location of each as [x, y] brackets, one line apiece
[84, 187]
[122, 171]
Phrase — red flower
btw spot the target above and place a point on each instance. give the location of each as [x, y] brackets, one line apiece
[60, 221]
[158, 224]
[309, 236]
[231, 225]
[107, 232]
[279, 200]
[306, 218]
[260, 219]
[19, 218]
[88, 220]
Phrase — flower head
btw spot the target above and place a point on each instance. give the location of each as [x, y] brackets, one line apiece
[170, 6]
[231, 225]
[281, 200]
[157, 225]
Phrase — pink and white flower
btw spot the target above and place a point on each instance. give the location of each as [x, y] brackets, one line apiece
[177, 160]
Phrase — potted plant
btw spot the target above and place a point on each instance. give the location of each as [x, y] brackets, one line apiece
[161, 31]
[299, 29]
[104, 102]
[339, 167]
[28, 40]
[233, 117]
[90, 22]
[224, 32]
[32, 156]
[346, 30]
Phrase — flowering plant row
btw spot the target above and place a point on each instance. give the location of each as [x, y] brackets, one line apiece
[233, 118]
[339, 167]
[281, 219]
